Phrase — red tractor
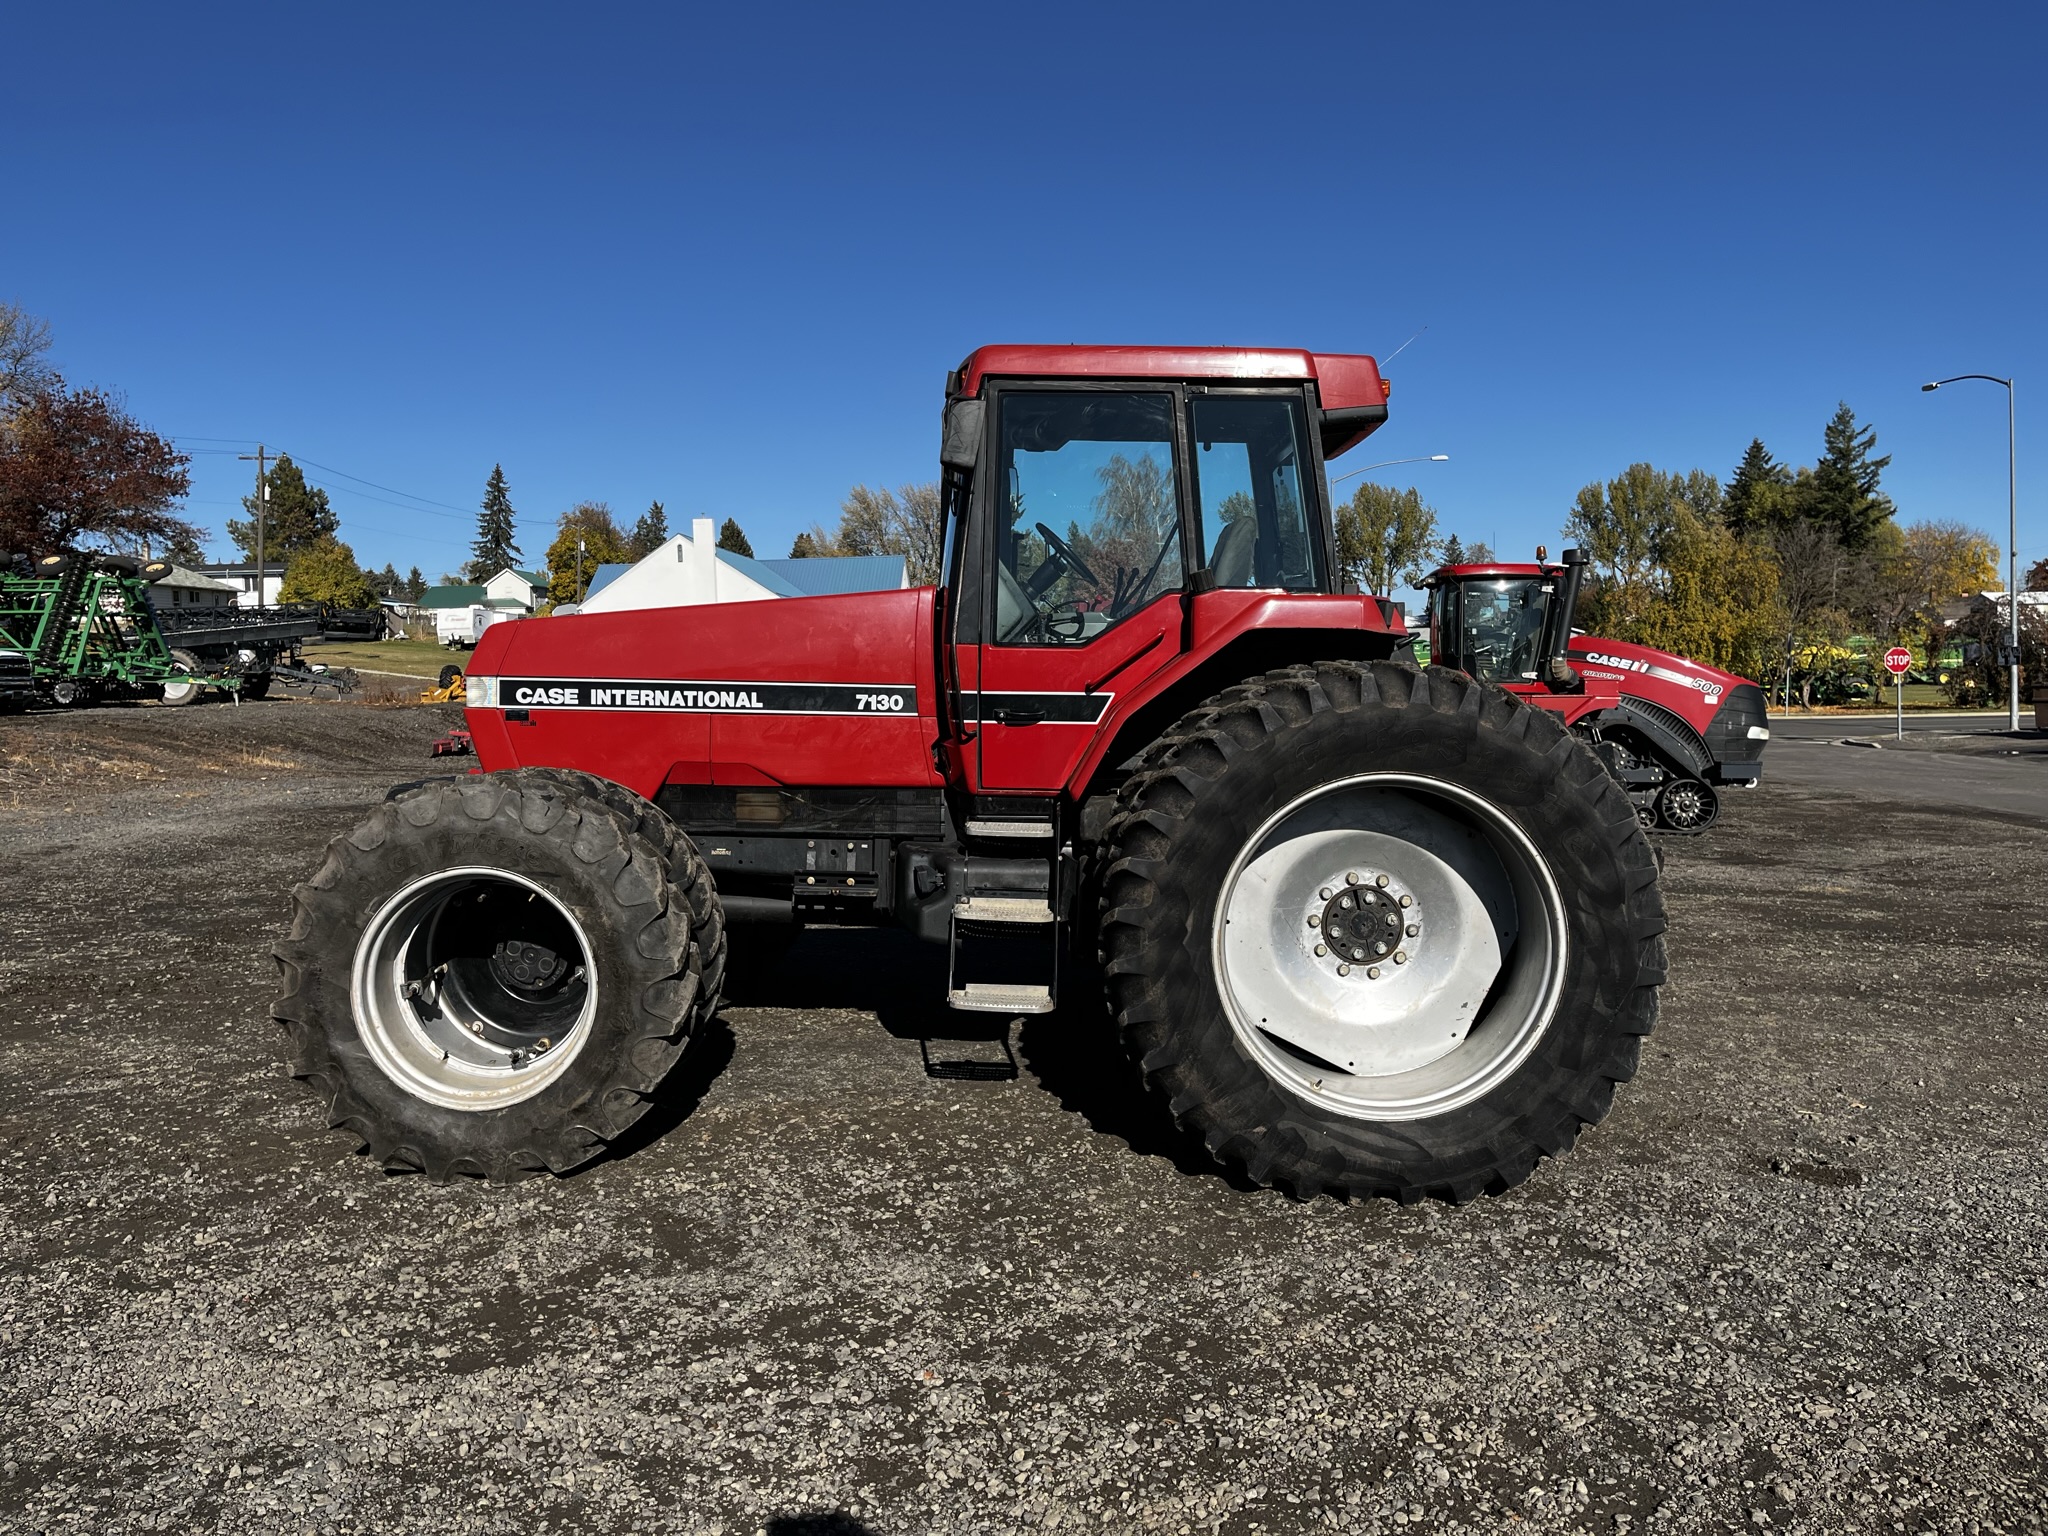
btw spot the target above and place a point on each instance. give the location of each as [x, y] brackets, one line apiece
[1366, 928]
[1672, 732]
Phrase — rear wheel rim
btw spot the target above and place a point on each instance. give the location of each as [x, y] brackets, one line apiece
[1474, 962]
[473, 988]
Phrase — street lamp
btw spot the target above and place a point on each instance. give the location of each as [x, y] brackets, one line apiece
[2012, 511]
[1431, 458]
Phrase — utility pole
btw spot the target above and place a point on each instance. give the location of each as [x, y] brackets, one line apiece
[579, 568]
[262, 504]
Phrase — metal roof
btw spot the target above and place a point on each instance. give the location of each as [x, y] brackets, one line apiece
[833, 575]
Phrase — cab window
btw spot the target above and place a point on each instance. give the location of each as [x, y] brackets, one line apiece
[1088, 512]
[1247, 458]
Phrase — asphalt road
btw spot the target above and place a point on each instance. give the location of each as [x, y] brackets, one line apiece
[1797, 1281]
[1964, 761]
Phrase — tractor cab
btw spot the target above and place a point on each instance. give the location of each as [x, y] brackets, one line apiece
[1503, 623]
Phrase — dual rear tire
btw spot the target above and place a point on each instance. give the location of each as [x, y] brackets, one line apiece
[491, 975]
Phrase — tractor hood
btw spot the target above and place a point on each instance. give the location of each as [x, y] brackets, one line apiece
[834, 690]
[1693, 689]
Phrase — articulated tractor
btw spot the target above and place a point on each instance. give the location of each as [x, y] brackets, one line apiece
[1365, 928]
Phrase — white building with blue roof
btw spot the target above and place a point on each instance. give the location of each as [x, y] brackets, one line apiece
[690, 569]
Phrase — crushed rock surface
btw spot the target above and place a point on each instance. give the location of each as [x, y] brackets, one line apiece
[1798, 1281]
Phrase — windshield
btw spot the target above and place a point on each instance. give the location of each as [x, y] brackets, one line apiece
[1492, 629]
[1091, 530]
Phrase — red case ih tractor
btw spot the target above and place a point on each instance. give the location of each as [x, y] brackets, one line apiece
[1367, 928]
[1673, 732]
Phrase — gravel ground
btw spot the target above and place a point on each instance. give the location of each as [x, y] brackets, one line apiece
[1798, 1280]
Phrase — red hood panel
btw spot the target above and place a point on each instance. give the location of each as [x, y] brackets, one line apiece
[1692, 688]
[808, 690]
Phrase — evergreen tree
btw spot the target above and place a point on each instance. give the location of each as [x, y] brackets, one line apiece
[805, 547]
[1748, 506]
[387, 581]
[732, 537]
[651, 532]
[496, 547]
[1845, 493]
[415, 584]
[297, 517]
[183, 547]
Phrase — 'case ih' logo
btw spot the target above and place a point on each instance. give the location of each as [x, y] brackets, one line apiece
[1701, 685]
[672, 696]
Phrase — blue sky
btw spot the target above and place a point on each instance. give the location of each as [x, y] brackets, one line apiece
[725, 257]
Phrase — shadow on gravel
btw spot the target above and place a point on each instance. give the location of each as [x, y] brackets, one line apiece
[824, 1523]
[676, 1099]
[1072, 1052]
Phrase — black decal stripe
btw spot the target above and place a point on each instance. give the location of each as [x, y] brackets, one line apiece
[1054, 708]
[669, 695]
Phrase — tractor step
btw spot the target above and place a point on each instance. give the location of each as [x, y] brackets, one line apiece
[955, 1066]
[1001, 997]
[1002, 909]
[1017, 829]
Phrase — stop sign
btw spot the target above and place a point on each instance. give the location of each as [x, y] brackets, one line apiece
[1897, 660]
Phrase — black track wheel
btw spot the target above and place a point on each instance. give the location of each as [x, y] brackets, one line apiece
[491, 974]
[449, 673]
[178, 695]
[1302, 816]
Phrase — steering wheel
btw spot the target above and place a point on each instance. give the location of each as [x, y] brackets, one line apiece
[1066, 557]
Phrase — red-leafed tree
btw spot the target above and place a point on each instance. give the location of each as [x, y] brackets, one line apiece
[76, 468]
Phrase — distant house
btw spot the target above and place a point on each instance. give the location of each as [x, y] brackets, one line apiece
[243, 579]
[527, 588]
[185, 588]
[691, 568]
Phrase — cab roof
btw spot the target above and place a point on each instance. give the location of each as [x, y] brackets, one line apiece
[1492, 568]
[1349, 388]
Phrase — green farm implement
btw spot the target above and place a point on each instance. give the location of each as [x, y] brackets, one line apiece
[80, 626]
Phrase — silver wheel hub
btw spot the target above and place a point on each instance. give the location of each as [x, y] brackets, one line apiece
[473, 989]
[1389, 946]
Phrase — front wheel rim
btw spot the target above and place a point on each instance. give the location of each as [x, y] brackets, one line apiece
[474, 988]
[1389, 946]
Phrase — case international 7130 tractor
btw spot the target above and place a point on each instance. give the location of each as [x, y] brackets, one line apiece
[1367, 928]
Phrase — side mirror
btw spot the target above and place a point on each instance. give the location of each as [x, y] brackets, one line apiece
[960, 442]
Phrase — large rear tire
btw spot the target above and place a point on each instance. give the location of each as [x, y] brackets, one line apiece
[491, 975]
[1379, 931]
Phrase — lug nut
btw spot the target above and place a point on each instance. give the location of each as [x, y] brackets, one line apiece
[1324, 893]
[1343, 970]
[1393, 921]
[1344, 902]
[1414, 929]
[1358, 954]
[1407, 901]
[1400, 957]
[1351, 877]
[1380, 881]
[1321, 950]
[1379, 949]
[1315, 922]
[1373, 974]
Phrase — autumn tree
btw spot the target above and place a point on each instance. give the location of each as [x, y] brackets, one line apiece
[496, 546]
[295, 518]
[326, 572]
[591, 525]
[1386, 539]
[76, 468]
[2037, 576]
[24, 343]
[909, 522]
[732, 537]
[650, 532]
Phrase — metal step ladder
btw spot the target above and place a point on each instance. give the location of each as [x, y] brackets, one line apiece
[1005, 933]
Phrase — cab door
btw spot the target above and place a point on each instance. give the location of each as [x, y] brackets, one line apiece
[1086, 560]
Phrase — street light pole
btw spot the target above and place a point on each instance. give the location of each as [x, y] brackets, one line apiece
[2012, 513]
[1427, 458]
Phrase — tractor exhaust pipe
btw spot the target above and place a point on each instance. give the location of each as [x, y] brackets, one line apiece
[1557, 669]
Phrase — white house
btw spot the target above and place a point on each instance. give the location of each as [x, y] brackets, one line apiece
[243, 579]
[526, 588]
[691, 568]
[189, 589]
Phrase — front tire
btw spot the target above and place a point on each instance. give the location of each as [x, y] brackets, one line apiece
[491, 975]
[1379, 931]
